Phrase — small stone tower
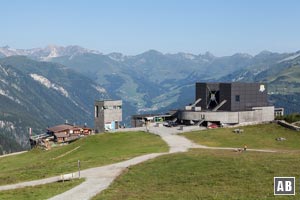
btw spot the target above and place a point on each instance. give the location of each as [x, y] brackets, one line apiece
[108, 115]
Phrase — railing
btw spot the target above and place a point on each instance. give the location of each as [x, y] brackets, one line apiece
[219, 106]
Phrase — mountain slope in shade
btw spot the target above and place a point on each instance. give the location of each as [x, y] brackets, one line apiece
[40, 94]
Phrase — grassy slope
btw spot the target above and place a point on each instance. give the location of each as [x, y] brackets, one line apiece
[39, 192]
[287, 81]
[257, 136]
[206, 174]
[93, 151]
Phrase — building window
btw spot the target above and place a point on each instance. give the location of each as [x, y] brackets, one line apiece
[96, 111]
[237, 98]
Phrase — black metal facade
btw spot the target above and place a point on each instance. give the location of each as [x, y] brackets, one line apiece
[203, 92]
[238, 96]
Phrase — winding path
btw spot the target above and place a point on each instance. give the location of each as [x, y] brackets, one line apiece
[99, 178]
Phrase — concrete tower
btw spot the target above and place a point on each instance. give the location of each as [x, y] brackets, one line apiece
[108, 115]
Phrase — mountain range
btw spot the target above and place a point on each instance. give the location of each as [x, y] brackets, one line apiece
[44, 86]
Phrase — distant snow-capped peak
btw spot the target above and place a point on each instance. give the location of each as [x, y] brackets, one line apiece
[53, 51]
[116, 56]
[290, 57]
[188, 56]
[50, 51]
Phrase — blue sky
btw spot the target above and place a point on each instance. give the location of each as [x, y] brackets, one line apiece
[222, 27]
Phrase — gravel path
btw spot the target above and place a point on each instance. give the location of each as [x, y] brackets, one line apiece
[13, 154]
[30, 183]
[99, 178]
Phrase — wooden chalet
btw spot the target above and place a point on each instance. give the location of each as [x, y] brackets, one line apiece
[67, 133]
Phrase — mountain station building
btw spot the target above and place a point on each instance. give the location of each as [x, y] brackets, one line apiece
[228, 103]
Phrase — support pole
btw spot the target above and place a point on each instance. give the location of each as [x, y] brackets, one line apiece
[78, 168]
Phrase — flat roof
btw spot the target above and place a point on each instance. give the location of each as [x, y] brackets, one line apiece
[63, 127]
[229, 82]
[107, 100]
[151, 115]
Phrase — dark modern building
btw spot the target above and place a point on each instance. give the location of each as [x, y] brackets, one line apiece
[233, 96]
[229, 103]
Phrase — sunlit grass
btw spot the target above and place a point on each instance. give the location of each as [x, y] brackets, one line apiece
[39, 192]
[257, 136]
[92, 151]
[205, 174]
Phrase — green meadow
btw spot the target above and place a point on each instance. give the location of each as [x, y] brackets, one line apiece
[261, 136]
[206, 174]
[92, 151]
[196, 174]
[39, 192]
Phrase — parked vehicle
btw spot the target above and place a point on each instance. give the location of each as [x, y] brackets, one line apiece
[213, 126]
[170, 124]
